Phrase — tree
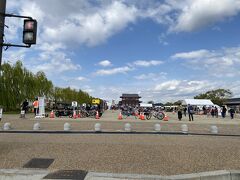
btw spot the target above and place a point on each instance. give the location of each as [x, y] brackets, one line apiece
[168, 104]
[17, 83]
[150, 102]
[217, 96]
[178, 103]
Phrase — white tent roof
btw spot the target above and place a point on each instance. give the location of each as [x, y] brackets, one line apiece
[145, 105]
[197, 102]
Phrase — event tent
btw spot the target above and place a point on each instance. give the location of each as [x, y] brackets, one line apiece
[145, 105]
[198, 102]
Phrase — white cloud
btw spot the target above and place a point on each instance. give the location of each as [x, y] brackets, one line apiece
[168, 85]
[174, 90]
[92, 28]
[118, 70]
[147, 63]
[151, 76]
[193, 54]
[81, 78]
[219, 63]
[50, 47]
[190, 15]
[200, 13]
[14, 55]
[105, 63]
[162, 39]
[31, 8]
[56, 66]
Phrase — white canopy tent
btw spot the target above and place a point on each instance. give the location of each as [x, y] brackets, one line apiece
[198, 102]
[145, 105]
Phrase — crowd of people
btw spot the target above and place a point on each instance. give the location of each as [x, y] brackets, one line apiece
[212, 111]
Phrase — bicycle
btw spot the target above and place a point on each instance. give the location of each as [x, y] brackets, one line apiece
[127, 113]
[157, 114]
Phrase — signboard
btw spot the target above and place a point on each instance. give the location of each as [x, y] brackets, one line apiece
[41, 108]
[96, 101]
[74, 103]
[1, 110]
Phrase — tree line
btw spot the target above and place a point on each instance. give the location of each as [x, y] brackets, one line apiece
[18, 83]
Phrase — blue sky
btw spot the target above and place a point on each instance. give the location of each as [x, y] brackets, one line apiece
[163, 50]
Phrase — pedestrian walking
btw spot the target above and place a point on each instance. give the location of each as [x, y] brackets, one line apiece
[35, 106]
[190, 112]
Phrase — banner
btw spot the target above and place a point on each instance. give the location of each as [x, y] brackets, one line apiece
[95, 101]
[41, 108]
[1, 110]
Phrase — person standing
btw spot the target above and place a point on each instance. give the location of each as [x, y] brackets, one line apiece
[232, 112]
[25, 106]
[35, 106]
[185, 111]
[190, 112]
[224, 110]
[212, 111]
[216, 112]
[179, 114]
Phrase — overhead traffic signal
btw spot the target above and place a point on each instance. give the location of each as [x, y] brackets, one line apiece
[29, 31]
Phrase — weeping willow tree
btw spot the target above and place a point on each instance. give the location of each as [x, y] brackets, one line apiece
[17, 83]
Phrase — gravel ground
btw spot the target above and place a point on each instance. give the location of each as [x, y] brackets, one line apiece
[145, 154]
[124, 153]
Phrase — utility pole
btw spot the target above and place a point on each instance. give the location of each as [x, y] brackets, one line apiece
[2, 25]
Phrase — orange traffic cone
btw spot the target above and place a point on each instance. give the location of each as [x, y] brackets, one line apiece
[142, 117]
[74, 115]
[52, 114]
[79, 115]
[120, 116]
[97, 115]
[166, 118]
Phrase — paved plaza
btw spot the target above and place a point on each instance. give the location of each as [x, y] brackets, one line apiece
[154, 154]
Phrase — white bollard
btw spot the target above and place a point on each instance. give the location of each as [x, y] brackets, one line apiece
[157, 127]
[67, 127]
[214, 129]
[184, 128]
[97, 127]
[7, 126]
[36, 126]
[127, 127]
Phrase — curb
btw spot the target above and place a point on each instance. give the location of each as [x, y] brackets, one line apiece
[29, 174]
[211, 175]
[112, 132]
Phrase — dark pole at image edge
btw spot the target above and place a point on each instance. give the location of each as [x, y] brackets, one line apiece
[2, 24]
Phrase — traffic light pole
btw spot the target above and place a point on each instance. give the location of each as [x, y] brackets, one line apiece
[3, 14]
[2, 24]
